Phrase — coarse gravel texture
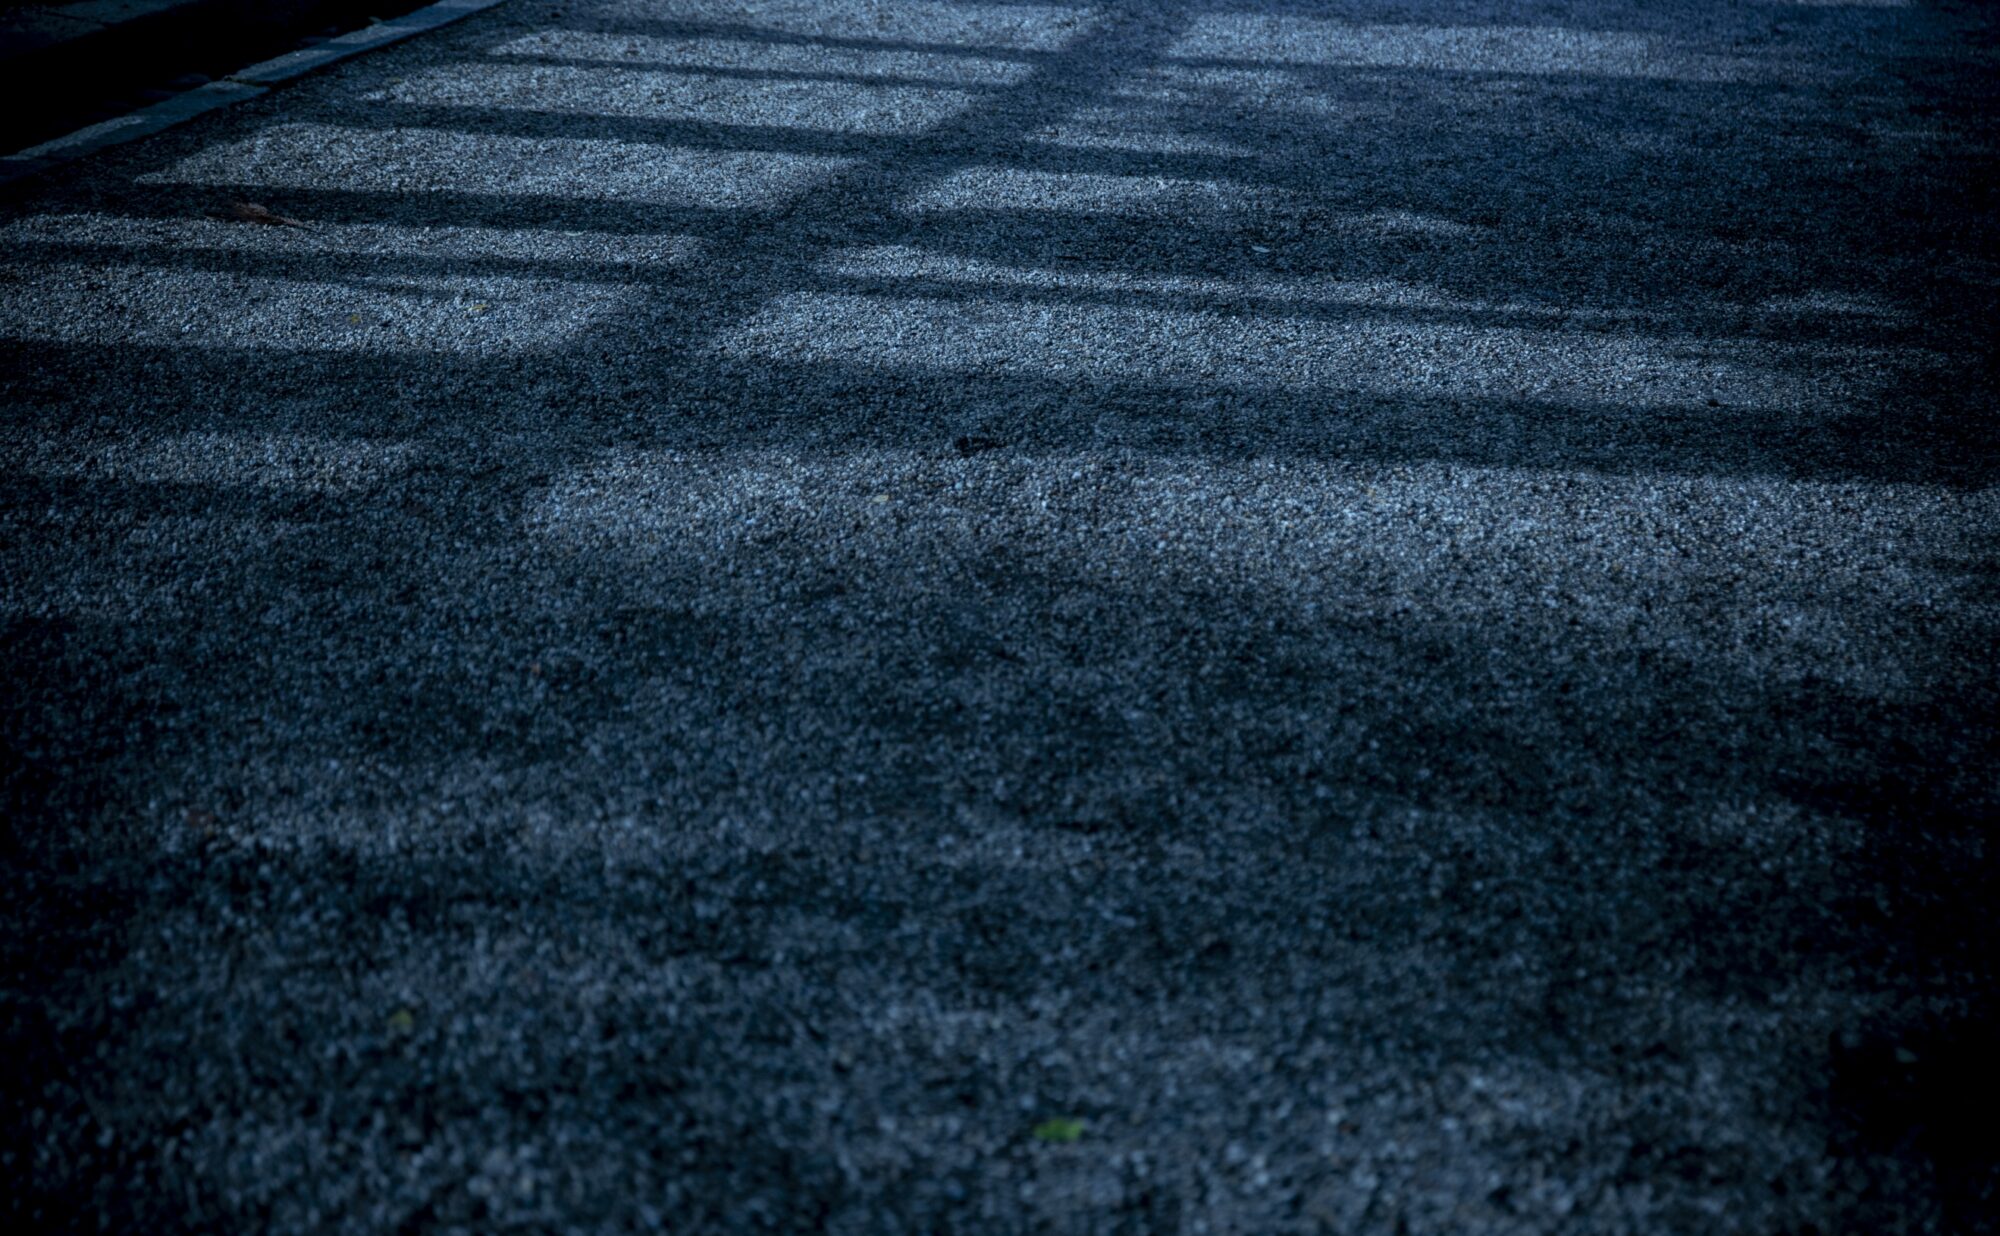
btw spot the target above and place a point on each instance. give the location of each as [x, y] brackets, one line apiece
[1391, 606]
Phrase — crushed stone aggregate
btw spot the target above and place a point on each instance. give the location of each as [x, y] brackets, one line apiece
[1388, 606]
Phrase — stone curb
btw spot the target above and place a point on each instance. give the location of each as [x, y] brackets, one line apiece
[243, 84]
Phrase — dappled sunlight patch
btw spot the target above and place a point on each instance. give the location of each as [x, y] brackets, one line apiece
[1274, 39]
[122, 239]
[364, 287]
[1006, 188]
[1202, 96]
[904, 262]
[413, 160]
[1827, 315]
[777, 59]
[1328, 542]
[1110, 128]
[1405, 223]
[1836, 304]
[918, 265]
[599, 90]
[1195, 84]
[1357, 356]
[1016, 27]
[143, 304]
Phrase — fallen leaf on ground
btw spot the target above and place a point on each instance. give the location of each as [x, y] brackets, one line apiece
[1062, 1130]
[251, 212]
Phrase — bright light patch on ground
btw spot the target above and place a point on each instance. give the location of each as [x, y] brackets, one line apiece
[749, 55]
[1108, 128]
[409, 160]
[1363, 355]
[1834, 304]
[134, 304]
[904, 262]
[1016, 27]
[1004, 188]
[1266, 39]
[526, 246]
[834, 107]
[924, 266]
[323, 287]
[1383, 549]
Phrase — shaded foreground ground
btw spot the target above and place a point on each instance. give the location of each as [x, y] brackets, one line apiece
[1392, 607]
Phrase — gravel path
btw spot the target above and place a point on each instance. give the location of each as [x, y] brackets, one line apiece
[910, 616]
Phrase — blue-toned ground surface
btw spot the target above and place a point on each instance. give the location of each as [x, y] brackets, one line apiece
[1391, 606]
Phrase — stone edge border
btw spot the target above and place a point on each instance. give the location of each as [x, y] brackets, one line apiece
[247, 83]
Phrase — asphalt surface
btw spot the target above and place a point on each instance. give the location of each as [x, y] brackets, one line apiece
[893, 615]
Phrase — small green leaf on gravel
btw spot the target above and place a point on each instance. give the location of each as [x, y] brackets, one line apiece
[1060, 1130]
[402, 1021]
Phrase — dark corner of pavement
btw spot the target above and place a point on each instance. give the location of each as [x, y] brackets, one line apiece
[65, 65]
